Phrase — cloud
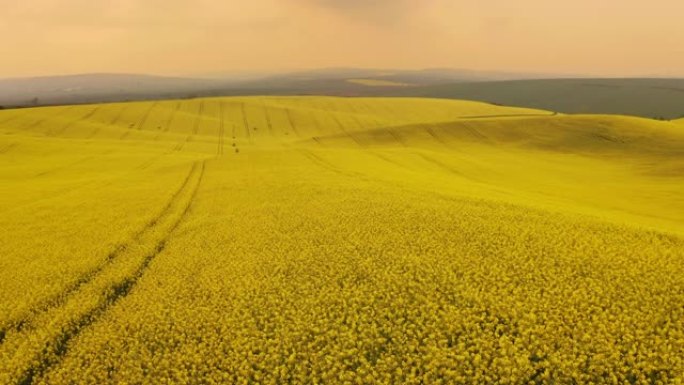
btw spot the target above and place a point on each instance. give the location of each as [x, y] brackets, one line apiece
[356, 4]
[378, 10]
[173, 36]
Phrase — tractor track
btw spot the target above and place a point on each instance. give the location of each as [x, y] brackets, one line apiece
[111, 123]
[23, 323]
[146, 116]
[56, 348]
[246, 122]
[63, 167]
[198, 119]
[268, 118]
[292, 125]
[62, 129]
[222, 130]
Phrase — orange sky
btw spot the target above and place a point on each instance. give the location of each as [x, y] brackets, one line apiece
[185, 37]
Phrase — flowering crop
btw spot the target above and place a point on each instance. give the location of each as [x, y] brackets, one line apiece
[311, 240]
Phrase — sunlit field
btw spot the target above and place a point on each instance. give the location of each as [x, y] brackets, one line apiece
[320, 240]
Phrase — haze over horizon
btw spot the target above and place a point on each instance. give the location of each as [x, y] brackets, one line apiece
[182, 37]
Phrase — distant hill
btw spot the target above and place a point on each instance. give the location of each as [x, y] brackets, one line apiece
[652, 98]
[94, 88]
[89, 88]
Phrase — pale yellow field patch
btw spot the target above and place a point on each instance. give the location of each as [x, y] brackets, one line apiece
[378, 83]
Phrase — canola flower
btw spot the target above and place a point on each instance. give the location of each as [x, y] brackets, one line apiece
[349, 242]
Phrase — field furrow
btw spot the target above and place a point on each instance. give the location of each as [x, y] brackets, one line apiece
[146, 115]
[221, 132]
[59, 131]
[245, 120]
[56, 321]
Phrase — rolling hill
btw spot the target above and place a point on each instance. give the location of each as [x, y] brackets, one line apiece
[651, 98]
[313, 239]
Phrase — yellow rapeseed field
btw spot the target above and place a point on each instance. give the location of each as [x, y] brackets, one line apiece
[377, 83]
[319, 240]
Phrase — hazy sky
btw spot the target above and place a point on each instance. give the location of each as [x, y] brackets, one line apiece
[182, 37]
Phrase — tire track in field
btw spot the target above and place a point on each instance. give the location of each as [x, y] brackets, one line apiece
[56, 349]
[342, 129]
[388, 130]
[146, 116]
[387, 159]
[475, 132]
[61, 130]
[150, 162]
[322, 162]
[195, 129]
[13, 117]
[335, 119]
[446, 167]
[140, 124]
[246, 122]
[62, 297]
[317, 124]
[6, 148]
[331, 167]
[169, 121]
[354, 116]
[222, 129]
[167, 127]
[119, 115]
[113, 122]
[317, 140]
[65, 167]
[356, 140]
[36, 124]
[397, 138]
[368, 113]
[45, 118]
[181, 145]
[292, 125]
[394, 185]
[268, 119]
[334, 113]
[368, 116]
[436, 137]
[198, 120]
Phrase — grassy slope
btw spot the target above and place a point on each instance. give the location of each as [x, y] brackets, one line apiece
[622, 168]
[640, 97]
[323, 193]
